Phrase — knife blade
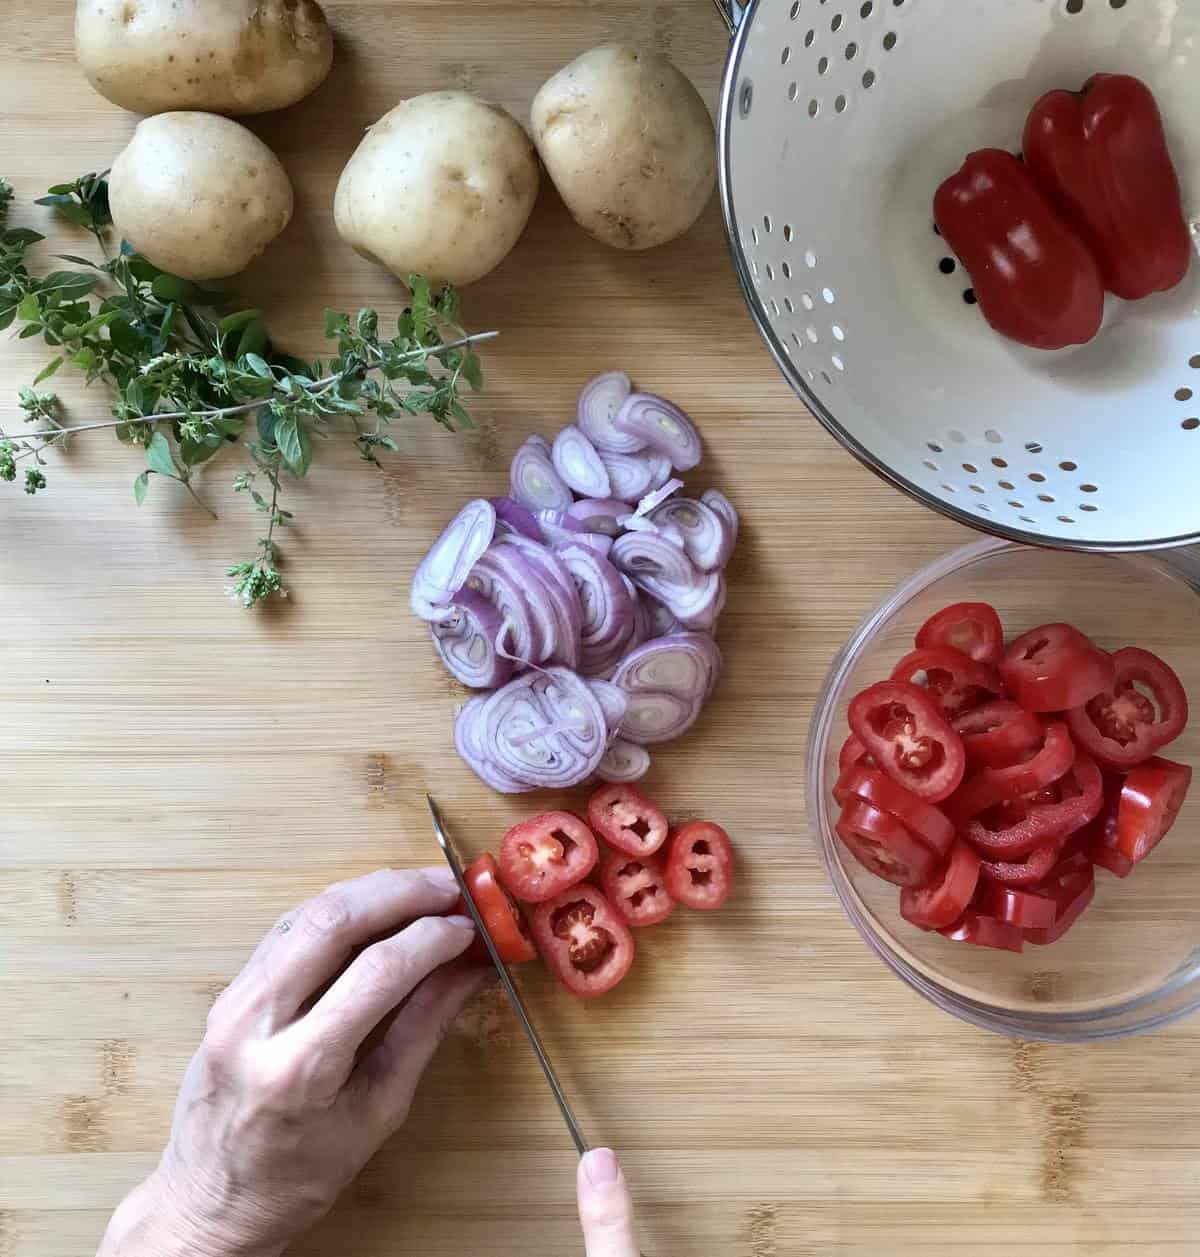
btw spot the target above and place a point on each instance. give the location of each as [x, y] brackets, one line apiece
[448, 850]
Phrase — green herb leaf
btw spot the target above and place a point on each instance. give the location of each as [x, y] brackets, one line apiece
[294, 444]
[259, 366]
[48, 370]
[140, 485]
[171, 288]
[29, 308]
[158, 456]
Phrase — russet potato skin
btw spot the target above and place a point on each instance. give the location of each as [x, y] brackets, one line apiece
[629, 145]
[198, 194]
[220, 56]
[441, 186]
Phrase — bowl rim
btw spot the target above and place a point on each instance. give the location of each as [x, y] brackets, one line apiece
[1140, 1013]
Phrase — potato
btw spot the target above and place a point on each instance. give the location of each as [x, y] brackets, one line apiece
[198, 194]
[222, 56]
[628, 143]
[441, 186]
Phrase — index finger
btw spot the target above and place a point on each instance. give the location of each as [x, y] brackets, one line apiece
[311, 945]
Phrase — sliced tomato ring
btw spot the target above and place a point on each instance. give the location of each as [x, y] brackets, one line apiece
[627, 820]
[699, 866]
[1098, 838]
[1034, 868]
[1151, 798]
[973, 927]
[924, 820]
[999, 733]
[635, 886]
[990, 786]
[852, 754]
[543, 856]
[955, 681]
[942, 901]
[1054, 668]
[586, 944]
[909, 738]
[1112, 861]
[883, 845]
[1024, 908]
[971, 627]
[500, 915]
[1010, 831]
[1071, 895]
[1123, 727]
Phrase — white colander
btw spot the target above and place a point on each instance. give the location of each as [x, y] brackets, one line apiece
[839, 118]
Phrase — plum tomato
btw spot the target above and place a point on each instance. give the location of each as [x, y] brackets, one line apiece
[924, 820]
[1025, 908]
[990, 786]
[1098, 839]
[627, 820]
[900, 725]
[1054, 668]
[1071, 896]
[954, 681]
[584, 940]
[883, 845]
[1036, 867]
[942, 901]
[500, 915]
[542, 857]
[970, 627]
[974, 927]
[1151, 798]
[999, 733]
[1123, 726]
[636, 886]
[699, 866]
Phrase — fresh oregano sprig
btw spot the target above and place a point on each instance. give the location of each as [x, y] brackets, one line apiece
[190, 376]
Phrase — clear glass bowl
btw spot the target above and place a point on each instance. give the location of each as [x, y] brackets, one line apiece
[1132, 962]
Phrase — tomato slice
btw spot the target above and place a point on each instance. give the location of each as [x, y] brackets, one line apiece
[883, 845]
[901, 727]
[1054, 668]
[544, 856]
[699, 867]
[942, 902]
[636, 886]
[955, 681]
[1023, 908]
[1150, 801]
[1098, 839]
[1036, 867]
[501, 917]
[990, 786]
[999, 733]
[585, 942]
[627, 820]
[925, 821]
[1012, 830]
[852, 754]
[970, 627]
[974, 927]
[1122, 727]
[1071, 897]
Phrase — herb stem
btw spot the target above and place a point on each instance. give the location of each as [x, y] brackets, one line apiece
[187, 484]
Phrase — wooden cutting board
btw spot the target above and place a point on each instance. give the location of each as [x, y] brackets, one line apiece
[176, 772]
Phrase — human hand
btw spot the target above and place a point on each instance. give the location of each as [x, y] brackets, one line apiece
[305, 1069]
[605, 1206]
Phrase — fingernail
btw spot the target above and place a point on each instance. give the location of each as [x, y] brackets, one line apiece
[602, 1167]
[463, 923]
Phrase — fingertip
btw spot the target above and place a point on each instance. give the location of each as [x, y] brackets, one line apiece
[600, 1168]
[461, 922]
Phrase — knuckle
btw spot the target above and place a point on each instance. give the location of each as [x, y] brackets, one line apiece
[433, 934]
[326, 916]
[274, 1081]
[383, 966]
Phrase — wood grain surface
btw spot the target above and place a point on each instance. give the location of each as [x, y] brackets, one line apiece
[176, 772]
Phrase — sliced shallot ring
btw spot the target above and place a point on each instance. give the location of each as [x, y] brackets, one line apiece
[577, 461]
[561, 595]
[660, 468]
[706, 536]
[445, 568]
[662, 425]
[512, 516]
[686, 664]
[660, 495]
[648, 553]
[695, 606]
[599, 514]
[520, 634]
[631, 476]
[623, 762]
[658, 716]
[608, 610]
[470, 750]
[613, 702]
[467, 642]
[718, 502]
[535, 483]
[599, 401]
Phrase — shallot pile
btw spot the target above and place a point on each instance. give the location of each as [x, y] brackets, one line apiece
[586, 600]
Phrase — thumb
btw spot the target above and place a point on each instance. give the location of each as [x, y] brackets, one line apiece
[605, 1206]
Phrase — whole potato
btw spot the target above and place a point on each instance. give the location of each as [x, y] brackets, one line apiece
[441, 186]
[223, 56]
[198, 194]
[628, 143]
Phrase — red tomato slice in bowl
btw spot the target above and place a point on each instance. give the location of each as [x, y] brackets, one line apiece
[1151, 798]
[970, 627]
[990, 786]
[1054, 668]
[1036, 867]
[699, 867]
[636, 886]
[1024, 908]
[501, 917]
[1098, 839]
[941, 902]
[543, 856]
[1071, 895]
[923, 820]
[999, 733]
[884, 846]
[901, 727]
[627, 820]
[584, 941]
[973, 927]
[954, 681]
[1123, 727]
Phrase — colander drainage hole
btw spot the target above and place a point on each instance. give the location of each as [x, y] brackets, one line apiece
[851, 51]
[994, 438]
[1190, 425]
[947, 266]
[1074, 6]
[934, 446]
[868, 79]
[1033, 447]
[969, 296]
[814, 107]
[823, 66]
[1183, 394]
[836, 24]
[794, 10]
[889, 41]
[809, 38]
[1068, 465]
[1194, 362]
[999, 462]
[867, 9]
